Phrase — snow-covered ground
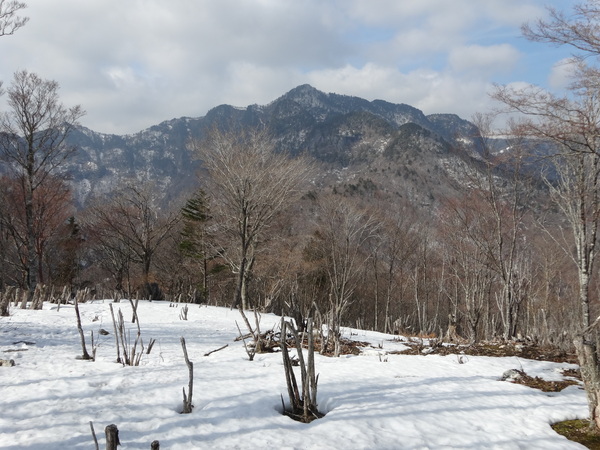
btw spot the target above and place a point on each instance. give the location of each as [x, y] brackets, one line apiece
[371, 401]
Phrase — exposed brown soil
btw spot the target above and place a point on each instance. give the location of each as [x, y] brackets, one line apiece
[541, 384]
[497, 349]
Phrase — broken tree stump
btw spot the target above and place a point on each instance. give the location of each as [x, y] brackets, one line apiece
[112, 437]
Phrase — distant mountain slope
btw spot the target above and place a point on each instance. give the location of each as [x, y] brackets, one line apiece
[395, 146]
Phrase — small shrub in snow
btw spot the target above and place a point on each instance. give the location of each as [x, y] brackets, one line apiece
[303, 404]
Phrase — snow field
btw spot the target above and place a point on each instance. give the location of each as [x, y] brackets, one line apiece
[409, 402]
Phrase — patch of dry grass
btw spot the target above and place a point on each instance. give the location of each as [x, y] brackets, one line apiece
[578, 431]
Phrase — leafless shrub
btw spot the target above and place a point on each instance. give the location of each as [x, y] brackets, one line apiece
[131, 353]
[250, 348]
[303, 405]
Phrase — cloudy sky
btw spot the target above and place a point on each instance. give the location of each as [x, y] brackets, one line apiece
[134, 63]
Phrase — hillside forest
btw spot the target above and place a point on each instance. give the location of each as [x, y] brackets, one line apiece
[359, 213]
[484, 254]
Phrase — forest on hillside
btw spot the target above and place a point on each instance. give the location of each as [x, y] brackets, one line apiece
[494, 261]
[506, 253]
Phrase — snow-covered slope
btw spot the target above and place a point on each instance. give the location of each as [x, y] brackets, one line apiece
[372, 401]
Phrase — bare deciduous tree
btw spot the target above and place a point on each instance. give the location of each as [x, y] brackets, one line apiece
[33, 136]
[249, 185]
[471, 276]
[502, 216]
[52, 206]
[131, 227]
[342, 239]
[570, 122]
[110, 253]
[577, 194]
[399, 243]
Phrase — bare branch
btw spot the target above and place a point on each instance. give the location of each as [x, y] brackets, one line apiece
[580, 30]
[9, 20]
[187, 399]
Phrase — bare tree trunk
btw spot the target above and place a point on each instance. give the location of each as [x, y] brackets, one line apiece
[290, 379]
[451, 334]
[376, 290]
[85, 355]
[5, 301]
[134, 306]
[388, 299]
[590, 373]
[32, 264]
[240, 293]
[584, 288]
[112, 313]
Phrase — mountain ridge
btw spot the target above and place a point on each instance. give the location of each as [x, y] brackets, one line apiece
[386, 139]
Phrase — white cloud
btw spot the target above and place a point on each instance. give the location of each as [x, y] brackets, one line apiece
[562, 74]
[428, 90]
[132, 64]
[484, 59]
[121, 77]
[251, 83]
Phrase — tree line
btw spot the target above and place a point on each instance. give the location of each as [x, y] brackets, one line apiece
[263, 232]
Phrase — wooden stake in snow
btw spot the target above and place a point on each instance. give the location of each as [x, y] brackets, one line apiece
[85, 354]
[112, 313]
[112, 437]
[94, 435]
[187, 400]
